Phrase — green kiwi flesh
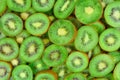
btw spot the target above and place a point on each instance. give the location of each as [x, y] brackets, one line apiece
[3, 6]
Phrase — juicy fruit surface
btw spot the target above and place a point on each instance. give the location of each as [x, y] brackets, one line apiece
[59, 39]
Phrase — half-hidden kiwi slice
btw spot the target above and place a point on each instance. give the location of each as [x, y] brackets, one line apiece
[43, 5]
[105, 2]
[115, 55]
[109, 39]
[87, 39]
[5, 70]
[19, 5]
[75, 76]
[22, 72]
[46, 75]
[31, 49]
[112, 14]
[63, 8]
[37, 24]
[3, 6]
[88, 11]
[8, 49]
[11, 24]
[2, 35]
[54, 55]
[116, 71]
[101, 65]
[38, 65]
[61, 32]
[77, 61]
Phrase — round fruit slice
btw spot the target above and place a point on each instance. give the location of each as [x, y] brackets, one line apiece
[115, 55]
[109, 39]
[105, 2]
[37, 24]
[22, 72]
[3, 6]
[61, 32]
[8, 49]
[54, 55]
[31, 49]
[112, 14]
[101, 65]
[5, 70]
[63, 8]
[11, 24]
[2, 35]
[43, 5]
[19, 5]
[46, 75]
[88, 11]
[77, 61]
[116, 72]
[87, 39]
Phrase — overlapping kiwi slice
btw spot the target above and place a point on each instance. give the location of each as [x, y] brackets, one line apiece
[31, 49]
[19, 5]
[61, 32]
[77, 61]
[54, 55]
[8, 49]
[63, 8]
[3, 6]
[88, 11]
[101, 65]
[22, 72]
[37, 24]
[116, 72]
[86, 39]
[11, 24]
[5, 70]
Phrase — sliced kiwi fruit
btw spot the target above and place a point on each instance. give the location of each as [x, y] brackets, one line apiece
[31, 49]
[22, 72]
[112, 14]
[8, 49]
[88, 11]
[75, 76]
[115, 55]
[11, 24]
[21, 36]
[2, 35]
[63, 8]
[3, 6]
[19, 5]
[38, 65]
[37, 24]
[105, 2]
[77, 61]
[61, 32]
[43, 5]
[46, 75]
[109, 39]
[101, 65]
[54, 55]
[86, 39]
[116, 71]
[5, 70]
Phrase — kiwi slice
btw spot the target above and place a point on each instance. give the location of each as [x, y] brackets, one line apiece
[116, 71]
[88, 11]
[115, 55]
[61, 32]
[19, 5]
[11, 24]
[31, 49]
[22, 72]
[38, 65]
[112, 14]
[3, 6]
[46, 75]
[77, 61]
[105, 2]
[109, 39]
[43, 5]
[8, 49]
[2, 35]
[54, 55]
[87, 39]
[63, 8]
[75, 76]
[101, 65]
[21, 36]
[5, 70]
[37, 24]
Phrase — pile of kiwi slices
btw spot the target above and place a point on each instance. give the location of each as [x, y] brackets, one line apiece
[59, 39]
